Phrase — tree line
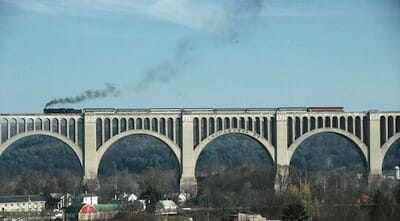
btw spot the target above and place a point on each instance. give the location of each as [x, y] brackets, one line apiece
[327, 179]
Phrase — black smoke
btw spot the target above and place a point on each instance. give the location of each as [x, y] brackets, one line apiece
[166, 70]
[108, 90]
[236, 18]
[231, 23]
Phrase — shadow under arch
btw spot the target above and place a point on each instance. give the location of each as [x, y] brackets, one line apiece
[361, 146]
[258, 157]
[74, 147]
[269, 148]
[168, 142]
[231, 166]
[387, 149]
[386, 146]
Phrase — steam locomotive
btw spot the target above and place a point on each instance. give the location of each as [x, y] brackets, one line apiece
[62, 111]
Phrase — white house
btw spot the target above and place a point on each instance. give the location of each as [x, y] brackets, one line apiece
[166, 207]
[90, 199]
[125, 198]
[22, 203]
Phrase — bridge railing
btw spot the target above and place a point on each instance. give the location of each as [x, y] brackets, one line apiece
[69, 126]
[110, 125]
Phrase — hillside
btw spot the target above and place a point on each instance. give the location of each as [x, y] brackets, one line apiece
[52, 159]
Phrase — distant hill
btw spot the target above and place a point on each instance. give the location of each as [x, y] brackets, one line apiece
[137, 153]
[329, 152]
[40, 153]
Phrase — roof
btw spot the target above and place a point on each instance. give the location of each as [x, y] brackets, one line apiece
[56, 195]
[87, 209]
[108, 207]
[166, 204]
[89, 195]
[21, 198]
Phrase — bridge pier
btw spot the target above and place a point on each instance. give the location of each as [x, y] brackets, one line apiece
[281, 154]
[188, 182]
[281, 178]
[90, 153]
[375, 153]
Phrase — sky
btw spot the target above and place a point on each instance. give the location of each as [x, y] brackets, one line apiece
[193, 54]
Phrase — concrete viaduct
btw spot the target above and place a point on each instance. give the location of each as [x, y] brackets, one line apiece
[187, 132]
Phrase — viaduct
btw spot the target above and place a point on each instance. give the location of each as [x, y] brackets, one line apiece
[91, 132]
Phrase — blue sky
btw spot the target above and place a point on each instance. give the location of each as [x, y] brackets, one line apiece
[181, 53]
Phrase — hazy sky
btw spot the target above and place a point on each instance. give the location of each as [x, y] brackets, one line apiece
[181, 53]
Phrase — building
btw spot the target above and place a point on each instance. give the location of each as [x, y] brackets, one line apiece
[166, 207]
[247, 217]
[90, 199]
[250, 217]
[125, 198]
[58, 200]
[22, 203]
[139, 205]
[92, 212]
[87, 212]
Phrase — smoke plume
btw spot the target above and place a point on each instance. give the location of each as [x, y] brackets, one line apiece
[230, 22]
[166, 70]
[235, 19]
[109, 90]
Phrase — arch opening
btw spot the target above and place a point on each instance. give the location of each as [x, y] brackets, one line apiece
[233, 166]
[138, 163]
[328, 162]
[39, 164]
[391, 159]
[328, 152]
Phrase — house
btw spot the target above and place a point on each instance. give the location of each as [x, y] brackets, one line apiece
[22, 203]
[182, 198]
[166, 207]
[58, 200]
[87, 212]
[139, 205]
[250, 217]
[247, 217]
[125, 198]
[90, 199]
[82, 210]
[92, 212]
[176, 197]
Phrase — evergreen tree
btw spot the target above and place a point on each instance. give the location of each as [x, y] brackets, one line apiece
[295, 211]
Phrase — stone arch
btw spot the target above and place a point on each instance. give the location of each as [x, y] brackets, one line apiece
[106, 146]
[360, 144]
[386, 146]
[264, 142]
[74, 147]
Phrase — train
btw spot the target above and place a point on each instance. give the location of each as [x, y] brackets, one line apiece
[62, 111]
[325, 109]
[113, 110]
